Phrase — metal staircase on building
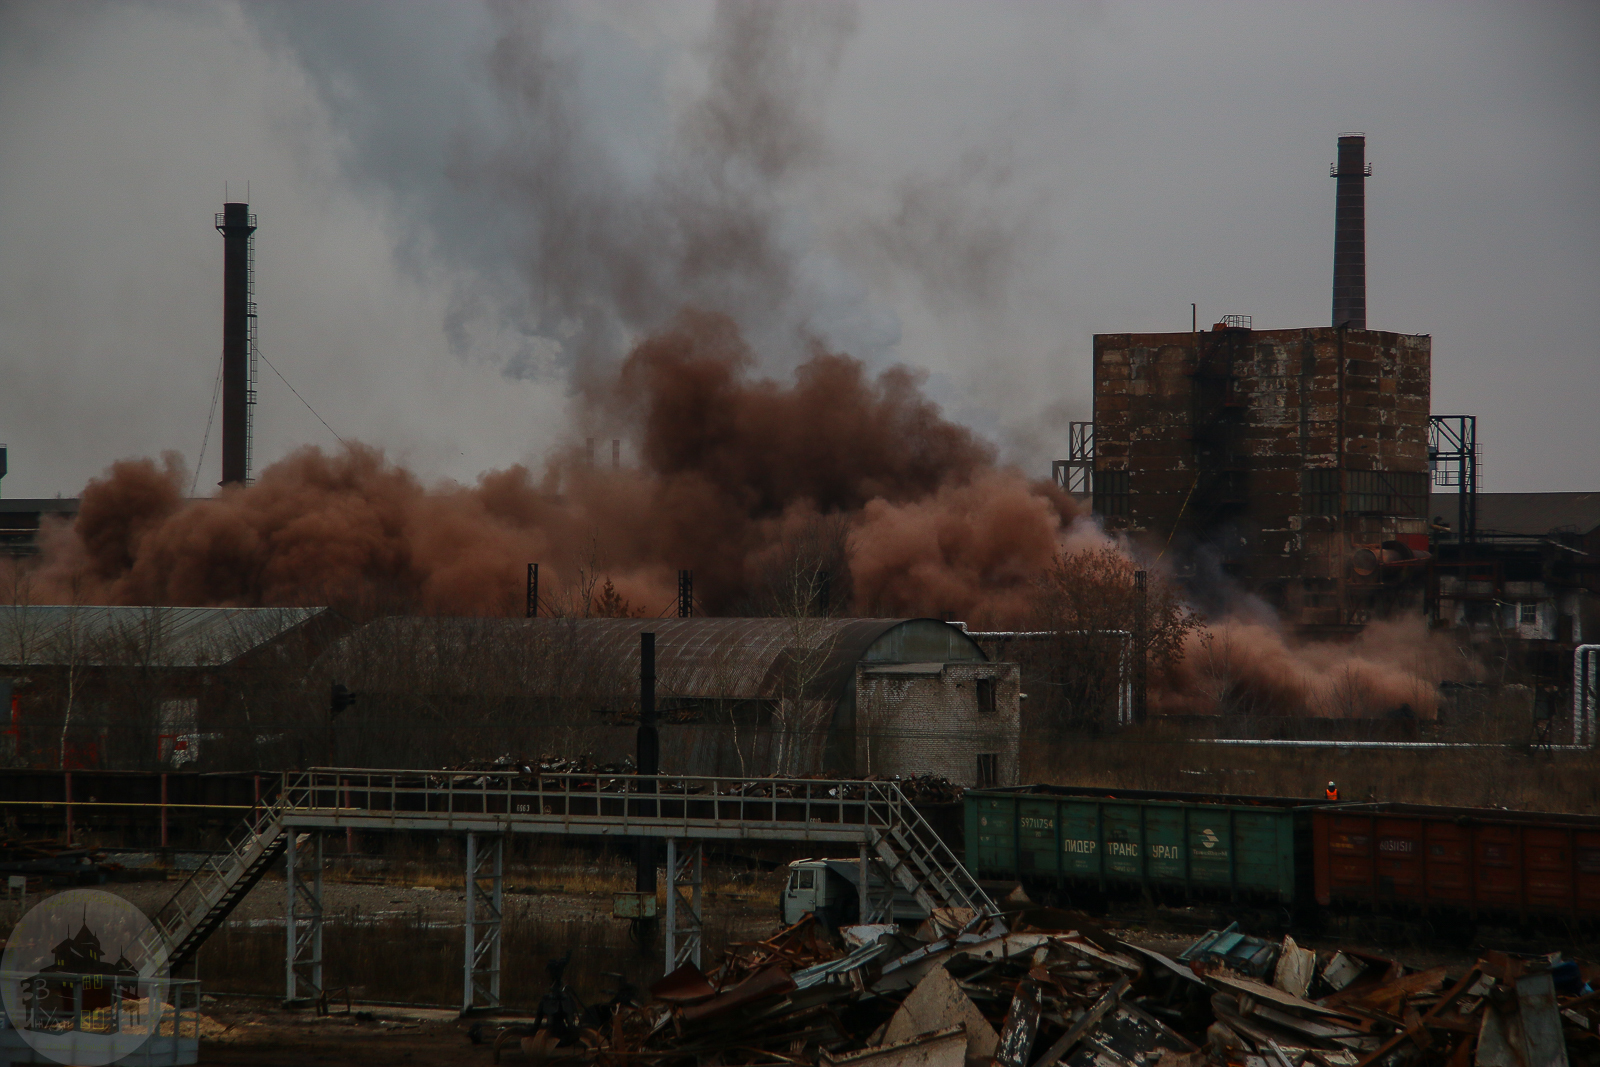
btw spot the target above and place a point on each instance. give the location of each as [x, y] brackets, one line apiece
[202, 902]
[917, 860]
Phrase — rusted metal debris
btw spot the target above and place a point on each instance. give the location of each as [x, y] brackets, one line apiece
[55, 861]
[1052, 992]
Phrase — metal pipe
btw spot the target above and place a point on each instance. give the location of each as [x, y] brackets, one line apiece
[649, 757]
[1585, 694]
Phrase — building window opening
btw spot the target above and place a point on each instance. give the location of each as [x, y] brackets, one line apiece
[1530, 613]
[988, 769]
[986, 705]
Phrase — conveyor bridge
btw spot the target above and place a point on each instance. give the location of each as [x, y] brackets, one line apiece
[891, 836]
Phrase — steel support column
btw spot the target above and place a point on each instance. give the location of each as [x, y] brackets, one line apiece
[686, 869]
[881, 893]
[302, 970]
[480, 984]
[863, 898]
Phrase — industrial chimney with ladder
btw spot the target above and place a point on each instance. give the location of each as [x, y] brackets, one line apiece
[1350, 233]
[236, 225]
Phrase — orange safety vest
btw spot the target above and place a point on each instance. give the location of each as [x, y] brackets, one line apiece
[1333, 794]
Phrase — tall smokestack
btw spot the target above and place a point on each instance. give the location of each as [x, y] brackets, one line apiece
[236, 224]
[1350, 233]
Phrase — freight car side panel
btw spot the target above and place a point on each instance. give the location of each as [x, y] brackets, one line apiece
[1036, 838]
[1211, 846]
[1547, 865]
[1398, 859]
[1586, 870]
[1448, 863]
[991, 836]
[1263, 849]
[1164, 844]
[1498, 867]
[1527, 863]
[1123, 840]
[1080, 840]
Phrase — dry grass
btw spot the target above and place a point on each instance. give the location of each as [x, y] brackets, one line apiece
[418, 961]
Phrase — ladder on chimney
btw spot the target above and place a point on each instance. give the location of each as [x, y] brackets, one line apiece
[202, 902]
[915, 858]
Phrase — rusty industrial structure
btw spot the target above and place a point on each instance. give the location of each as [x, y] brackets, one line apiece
[1291, 462]
[1297, 466]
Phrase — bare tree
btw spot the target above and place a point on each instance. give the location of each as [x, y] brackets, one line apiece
[1085, 613]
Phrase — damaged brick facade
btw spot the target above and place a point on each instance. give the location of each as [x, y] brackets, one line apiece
[1291, 462]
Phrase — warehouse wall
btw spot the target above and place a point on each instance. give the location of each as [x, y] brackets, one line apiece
[925, 719]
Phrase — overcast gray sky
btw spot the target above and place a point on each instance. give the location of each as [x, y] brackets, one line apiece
[463, 206]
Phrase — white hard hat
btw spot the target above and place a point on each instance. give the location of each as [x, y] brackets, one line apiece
[1331, 785]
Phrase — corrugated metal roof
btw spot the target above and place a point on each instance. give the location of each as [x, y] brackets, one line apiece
[55, 635]
[1527, 514]
[723, 657]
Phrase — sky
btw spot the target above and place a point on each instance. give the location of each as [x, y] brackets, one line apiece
[467, 208]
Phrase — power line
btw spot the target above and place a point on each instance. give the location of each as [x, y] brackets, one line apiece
[298, 397]
[199, 463]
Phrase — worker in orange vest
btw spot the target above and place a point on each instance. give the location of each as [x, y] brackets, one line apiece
[1333, 793]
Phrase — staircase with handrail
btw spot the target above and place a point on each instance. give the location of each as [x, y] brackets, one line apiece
[203, 900]
[875, 814]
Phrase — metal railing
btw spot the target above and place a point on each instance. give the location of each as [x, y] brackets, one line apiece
[653, 805]
[873, 814]
[150, 1019]
[199, 894]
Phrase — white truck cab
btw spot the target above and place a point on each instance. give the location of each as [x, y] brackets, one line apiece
[831, 890]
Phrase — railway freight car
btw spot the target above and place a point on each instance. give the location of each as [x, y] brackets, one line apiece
[1087, 842]
[1480, 862]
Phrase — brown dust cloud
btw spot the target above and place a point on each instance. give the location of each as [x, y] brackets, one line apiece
[731, 468]
[735, 474]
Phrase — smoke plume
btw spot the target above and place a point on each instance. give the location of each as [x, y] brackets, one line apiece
[732, 464]
[1250, 667]
[736, 470]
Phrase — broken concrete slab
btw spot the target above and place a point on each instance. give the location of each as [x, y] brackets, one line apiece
[940, 1048]
[938, 1003]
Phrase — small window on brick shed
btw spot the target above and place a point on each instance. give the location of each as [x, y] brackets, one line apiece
[988, 769]
[986, 696]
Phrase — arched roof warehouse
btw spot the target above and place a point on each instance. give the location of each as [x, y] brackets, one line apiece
[736, 695]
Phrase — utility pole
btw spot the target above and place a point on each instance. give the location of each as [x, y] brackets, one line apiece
[649, 759]
[341, 700]
[1141, 644]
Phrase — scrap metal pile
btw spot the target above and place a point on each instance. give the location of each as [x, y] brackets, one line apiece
[55, 861]
[1282, 1005]
[1044, 988]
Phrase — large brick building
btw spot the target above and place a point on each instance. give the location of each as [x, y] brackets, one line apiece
[1289, 463]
